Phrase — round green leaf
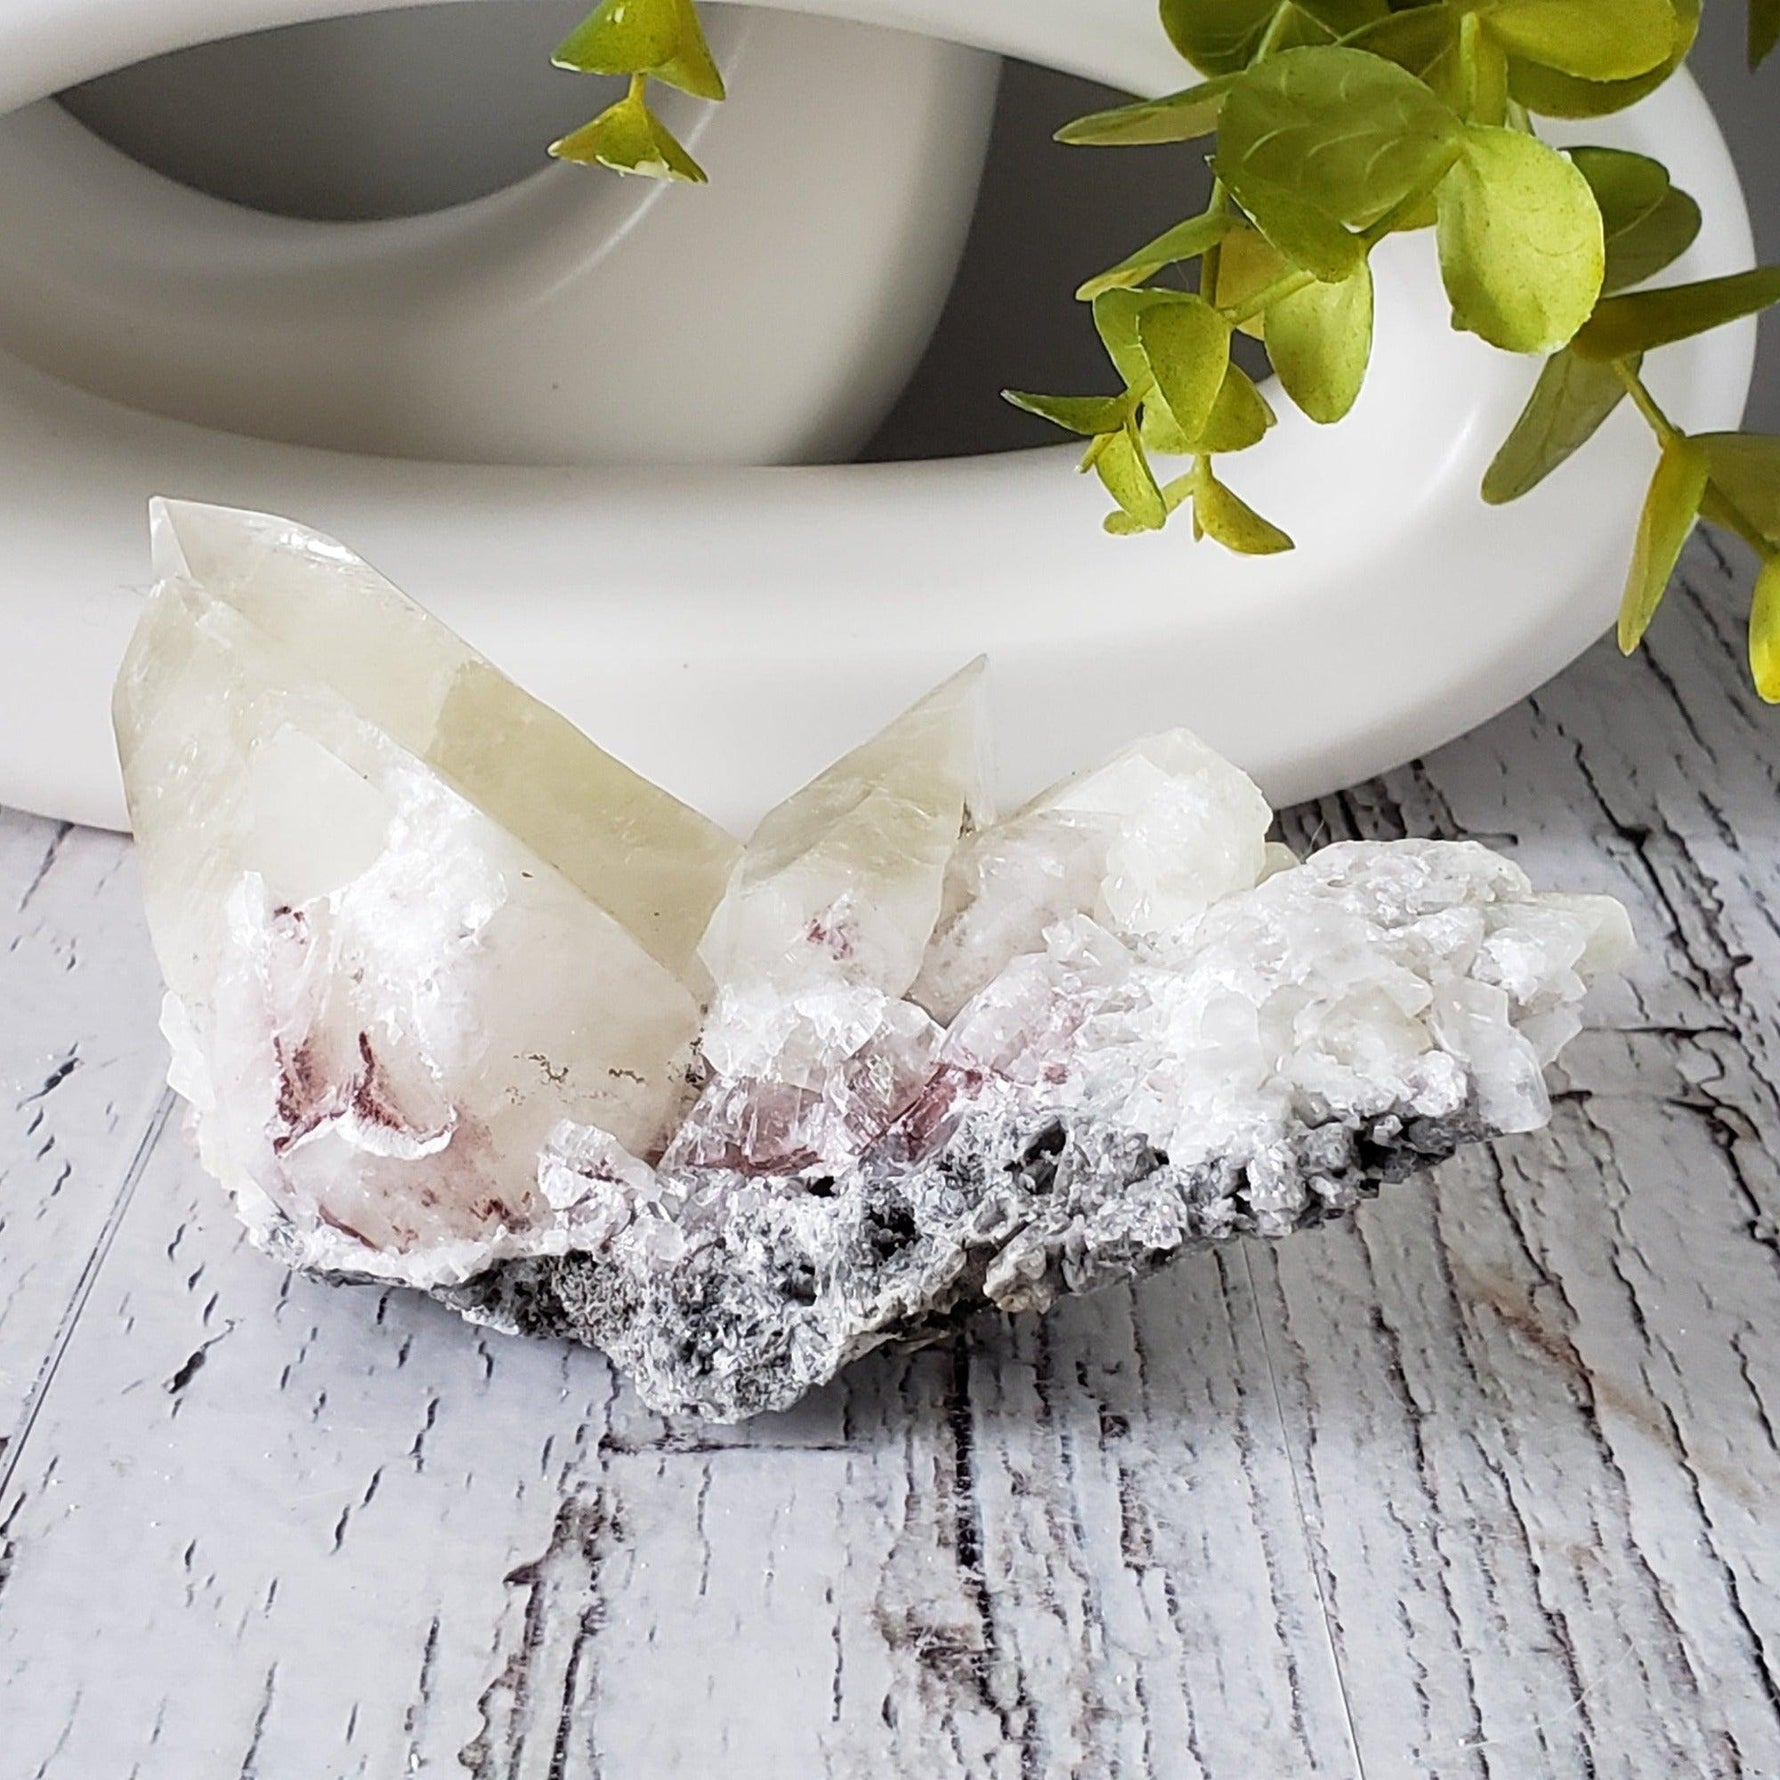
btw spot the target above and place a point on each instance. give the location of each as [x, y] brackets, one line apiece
[1746, 471]
[1521, 245]
[1187, 345]
[1347, 134]
[1247, 263]
[1671, 510]
[662, 38]
[629, 138]
[1320, 342]
[1764, 633]
[1225, 36]
[1764, 33]
[1597, 40]
[621, 37]
[1116, 315]
[1308, 238]
[1571, 400]
[1548, 93]
[1185, 241]
[1652, 243]
[1240, 418]
[1645, 320]
[1227, 519]
[1648, 224]
[1425, 41]
[1125, 473]
[1180, 117]
[1626, 186]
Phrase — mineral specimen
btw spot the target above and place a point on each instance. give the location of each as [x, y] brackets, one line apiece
[459, 1001]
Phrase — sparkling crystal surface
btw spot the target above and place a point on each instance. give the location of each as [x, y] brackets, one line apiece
[459, 1001]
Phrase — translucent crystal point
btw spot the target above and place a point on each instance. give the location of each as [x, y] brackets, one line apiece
[409, 917]
[811, 1052]
[842, 882]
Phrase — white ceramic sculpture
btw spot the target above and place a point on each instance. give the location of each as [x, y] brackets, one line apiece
[1409, 613]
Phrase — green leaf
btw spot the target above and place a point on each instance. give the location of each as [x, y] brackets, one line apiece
[1521, 245]
[1764, 633]
[1587, 39]
[1185, 241]
[1348, 135]
[629, 138]
[1746, 472]
[1225, 36]
[1180, 117]
[1425, 41]
[1626, 186]
[1550, 94]
[662, 38]
[1240, 418]
[1645, 320]
[1116, 315]
[1344, 17]
[1303, 235]
[1320, 342]
[1482, 74]
[1087, 415]
[1227, 519]
[1764, 33]
[1655, 242]
[1188, 348]
[1671, 510]
[1247, 263]
[1125, 473]
[1648, 223]
[1569, 403]
[1122, 525]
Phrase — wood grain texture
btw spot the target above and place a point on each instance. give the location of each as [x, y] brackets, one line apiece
[82, 1080]
[1485, 1485]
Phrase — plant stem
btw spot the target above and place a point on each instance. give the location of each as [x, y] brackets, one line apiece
[1276, 29]
[1718, 506]
[1213, 257]
[1646, 404]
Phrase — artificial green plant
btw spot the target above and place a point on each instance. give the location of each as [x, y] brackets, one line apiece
[1338, 123]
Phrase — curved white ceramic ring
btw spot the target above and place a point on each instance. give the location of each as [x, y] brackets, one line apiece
[729, 630]
[572, 318]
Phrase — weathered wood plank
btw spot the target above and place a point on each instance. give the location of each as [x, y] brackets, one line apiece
[1553, 1371]
[81, 1074]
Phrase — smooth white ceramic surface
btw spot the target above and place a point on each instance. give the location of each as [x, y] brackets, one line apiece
[728, 631]
[572, 318]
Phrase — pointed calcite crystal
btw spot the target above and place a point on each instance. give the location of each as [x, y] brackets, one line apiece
[460, 1001]
[410, 919]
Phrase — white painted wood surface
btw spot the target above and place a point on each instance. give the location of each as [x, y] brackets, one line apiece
[1486, 1485]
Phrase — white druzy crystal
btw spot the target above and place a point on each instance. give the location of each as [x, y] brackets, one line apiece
[409, 917]
[458, 1000]
[1142, 843]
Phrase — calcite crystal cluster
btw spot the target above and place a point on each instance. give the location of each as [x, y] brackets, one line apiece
[460, 1002]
